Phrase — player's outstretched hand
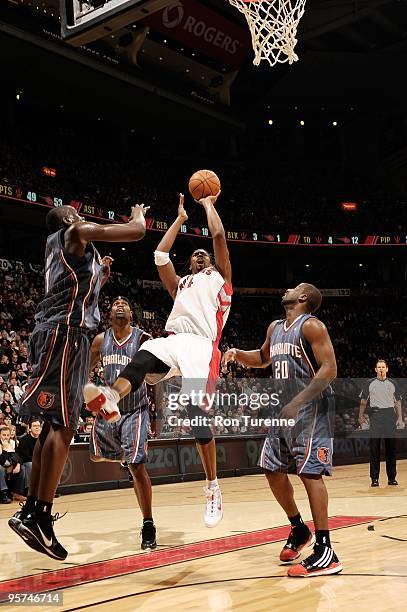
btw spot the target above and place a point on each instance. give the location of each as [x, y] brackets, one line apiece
[137, 211]
[209, 199]
[228, 357]
[107, 260]
[182, 213]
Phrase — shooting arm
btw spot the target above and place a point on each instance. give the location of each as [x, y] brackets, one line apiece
[220, 248]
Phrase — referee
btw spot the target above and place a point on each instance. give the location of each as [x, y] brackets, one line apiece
[385, 416]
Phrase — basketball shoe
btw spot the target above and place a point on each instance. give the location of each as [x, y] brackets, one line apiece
[15, 521]
[321, 562]
[103, 401]
[299, 538]
[214, 511]
[39, 531]
[147, 534]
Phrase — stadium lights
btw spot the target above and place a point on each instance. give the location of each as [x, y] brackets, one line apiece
[123, 248]
[271, 122]
[302, 122]
[18, 97]
[334, 123]
[360, 265]
[307, 265]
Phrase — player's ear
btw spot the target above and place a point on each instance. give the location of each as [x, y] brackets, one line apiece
[68, 220]
[302, 298]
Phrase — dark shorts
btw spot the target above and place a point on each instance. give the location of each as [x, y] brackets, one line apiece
[307, 448]
[125, 439]
[59, 356]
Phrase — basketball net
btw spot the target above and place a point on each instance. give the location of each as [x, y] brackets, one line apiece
[273, 25]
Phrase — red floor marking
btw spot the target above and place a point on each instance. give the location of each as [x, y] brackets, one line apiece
[111, 568]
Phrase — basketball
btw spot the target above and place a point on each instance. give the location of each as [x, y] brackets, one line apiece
[203, 183]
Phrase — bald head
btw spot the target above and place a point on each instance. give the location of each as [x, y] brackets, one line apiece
[60, 217]
[305, 295]
[314, 296]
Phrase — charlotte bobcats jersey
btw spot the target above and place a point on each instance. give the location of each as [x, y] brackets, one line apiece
[115, 356]
[291, 354]
[72, 286]
[201, 306]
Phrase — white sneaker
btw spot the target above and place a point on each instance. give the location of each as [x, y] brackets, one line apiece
[214, 511]
[103, 401]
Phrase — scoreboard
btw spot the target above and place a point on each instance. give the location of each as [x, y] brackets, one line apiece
[30, 197]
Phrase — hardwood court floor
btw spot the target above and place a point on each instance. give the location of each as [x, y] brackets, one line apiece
[232, 567]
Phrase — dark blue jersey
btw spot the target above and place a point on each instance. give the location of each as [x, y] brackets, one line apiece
[291, 354]
[72, 286]
[115, 356]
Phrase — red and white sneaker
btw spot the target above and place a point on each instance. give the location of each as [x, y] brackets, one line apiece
[296, 541]
[214, 511]
[322, 562]
[103, 401]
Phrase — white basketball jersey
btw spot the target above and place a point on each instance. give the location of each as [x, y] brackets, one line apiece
[201, 306]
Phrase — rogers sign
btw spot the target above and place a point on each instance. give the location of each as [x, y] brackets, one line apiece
[200, 28]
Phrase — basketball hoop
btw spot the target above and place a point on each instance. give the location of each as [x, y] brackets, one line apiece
[273, 25]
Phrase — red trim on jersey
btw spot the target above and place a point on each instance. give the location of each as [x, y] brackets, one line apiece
[214, 363]
[228, 288]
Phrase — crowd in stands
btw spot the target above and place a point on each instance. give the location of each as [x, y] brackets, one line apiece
[362, 330]
[256, 196]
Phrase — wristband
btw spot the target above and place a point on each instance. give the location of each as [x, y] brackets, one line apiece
[161, 258]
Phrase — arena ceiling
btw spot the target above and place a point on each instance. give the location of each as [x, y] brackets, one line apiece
[351, 52]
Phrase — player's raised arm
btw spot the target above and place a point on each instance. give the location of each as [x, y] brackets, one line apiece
[79, 234]
[162, 259]
[95, 350]
[259, 358]
[220, 247]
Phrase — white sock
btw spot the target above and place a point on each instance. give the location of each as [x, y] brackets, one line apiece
[212, 484]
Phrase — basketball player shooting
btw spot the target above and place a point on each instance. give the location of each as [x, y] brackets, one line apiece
[201, 306]
[125, 439]
[59, 356]
[299, 349]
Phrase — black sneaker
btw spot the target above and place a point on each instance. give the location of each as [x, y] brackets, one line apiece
[15, 521]
[321, 562]
[5, 498]
[41, 532]
[298, 539]
[148, 535]
[375, 482]
[393, 482]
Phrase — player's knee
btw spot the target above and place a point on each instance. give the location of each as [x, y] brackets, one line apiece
[142, 363]
[308, 477]
[275, 478]
[137, 470]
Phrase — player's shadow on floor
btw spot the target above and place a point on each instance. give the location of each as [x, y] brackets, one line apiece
[116, 543]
